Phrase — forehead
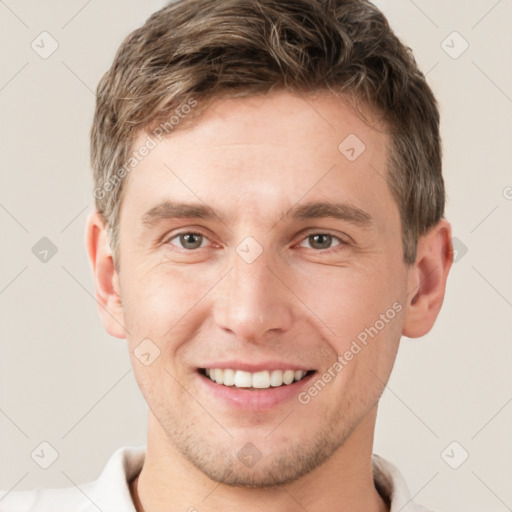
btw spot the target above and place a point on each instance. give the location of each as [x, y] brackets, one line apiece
[246, 155]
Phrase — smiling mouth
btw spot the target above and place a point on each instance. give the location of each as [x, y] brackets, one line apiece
[253, 381]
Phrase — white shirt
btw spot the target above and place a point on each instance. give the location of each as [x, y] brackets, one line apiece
[111, 491]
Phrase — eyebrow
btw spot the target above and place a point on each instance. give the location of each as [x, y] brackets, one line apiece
[325, 209]
[313, 210]
[173, 210]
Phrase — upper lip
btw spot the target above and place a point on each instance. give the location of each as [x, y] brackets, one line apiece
[256, 367]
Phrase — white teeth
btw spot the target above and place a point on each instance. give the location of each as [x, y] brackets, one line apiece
[229, 377]
[276, 378]
[259, 380]
[288, 376]
[242, 379]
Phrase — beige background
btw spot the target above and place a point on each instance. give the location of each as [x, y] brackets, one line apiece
[63, 380]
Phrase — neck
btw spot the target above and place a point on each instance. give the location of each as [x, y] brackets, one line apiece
[344, 483]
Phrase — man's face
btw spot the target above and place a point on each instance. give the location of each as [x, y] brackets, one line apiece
[262, 287]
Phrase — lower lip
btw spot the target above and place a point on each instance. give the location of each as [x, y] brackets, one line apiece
[255, 399]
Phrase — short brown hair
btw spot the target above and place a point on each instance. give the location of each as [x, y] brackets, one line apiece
[201, 50]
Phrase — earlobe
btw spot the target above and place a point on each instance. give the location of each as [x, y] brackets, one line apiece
[106, 279]
[427, 280]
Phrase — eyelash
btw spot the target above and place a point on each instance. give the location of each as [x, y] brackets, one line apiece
[330, 249]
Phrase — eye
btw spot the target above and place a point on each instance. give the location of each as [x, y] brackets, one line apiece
[322, 241]
[188, 240]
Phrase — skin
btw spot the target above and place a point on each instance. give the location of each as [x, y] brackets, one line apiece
[302, 300]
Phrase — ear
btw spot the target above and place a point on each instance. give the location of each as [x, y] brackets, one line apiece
[106, 279]
[427, 280]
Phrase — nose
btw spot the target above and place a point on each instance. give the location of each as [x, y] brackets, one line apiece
[253, 300]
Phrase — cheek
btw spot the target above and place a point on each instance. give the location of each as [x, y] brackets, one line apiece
[361, 318]
[346, 300]
[164, 305]
[156, 299]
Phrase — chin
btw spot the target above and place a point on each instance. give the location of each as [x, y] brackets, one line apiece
[260, 464]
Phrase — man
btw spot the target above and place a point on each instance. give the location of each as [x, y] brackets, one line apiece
[269, 222]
